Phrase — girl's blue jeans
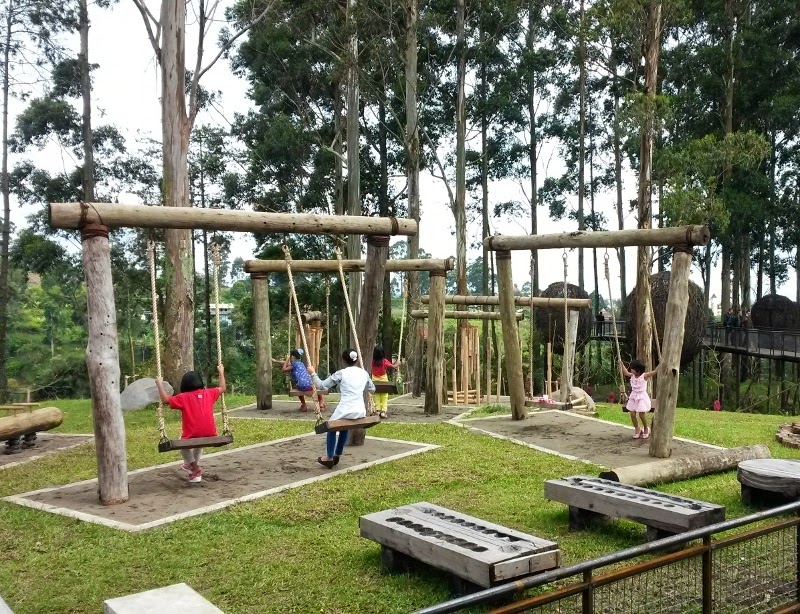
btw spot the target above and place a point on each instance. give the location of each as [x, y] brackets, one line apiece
[335, 448]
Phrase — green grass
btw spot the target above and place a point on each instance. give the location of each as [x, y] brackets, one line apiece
[299, 551]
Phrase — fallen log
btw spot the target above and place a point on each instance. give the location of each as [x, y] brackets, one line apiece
[676, 469]
[35, 421]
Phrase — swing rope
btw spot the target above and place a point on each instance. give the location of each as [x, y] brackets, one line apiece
[566, 386]
[327, 324]
[293, 299]
[338, 252]
[653, 321]
[151, 259]
[226, 427]
[399, 377]
[621, 379]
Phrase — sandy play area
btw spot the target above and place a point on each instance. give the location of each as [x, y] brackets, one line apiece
[402, 409]
[46, 444]
[162, 494]
[602, 443]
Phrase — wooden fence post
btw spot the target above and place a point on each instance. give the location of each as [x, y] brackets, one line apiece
[513, 353]
[262, 340]
[102, 361]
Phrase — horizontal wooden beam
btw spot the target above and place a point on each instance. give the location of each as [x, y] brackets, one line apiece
[420, 314]
[520, 301]
[76, 215]
[656, 237]
[350, 266]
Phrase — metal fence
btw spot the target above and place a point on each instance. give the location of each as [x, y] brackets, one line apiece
[755, 571]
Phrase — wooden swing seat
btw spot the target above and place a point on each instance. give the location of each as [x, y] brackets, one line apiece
[385, 387]
[347, 425]
[196, 442]
[305, 393]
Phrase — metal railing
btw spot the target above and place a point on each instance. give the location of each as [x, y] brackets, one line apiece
[754, 571]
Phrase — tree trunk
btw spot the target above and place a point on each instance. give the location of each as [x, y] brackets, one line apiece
[262, 340]
[760, 270]
[533, 156]
[644, 330]
[725, 300]
[383, 201]
[353, 168]
[175, 128]
[618, 180]
[338, 169]
[581, 134]
[513, 355]
[461, 157]
[6, 229]
[707, 278]
[414, 345]
[484, 205]
[434, 389]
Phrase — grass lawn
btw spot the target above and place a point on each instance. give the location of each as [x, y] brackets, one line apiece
[299, 551]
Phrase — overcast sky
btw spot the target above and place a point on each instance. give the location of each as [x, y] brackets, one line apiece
[126, 93]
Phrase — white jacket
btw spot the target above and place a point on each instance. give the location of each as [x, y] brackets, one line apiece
[352, 382]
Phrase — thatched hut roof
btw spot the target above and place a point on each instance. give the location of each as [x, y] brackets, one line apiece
[777, 312]
[695, 317]
[550, 322]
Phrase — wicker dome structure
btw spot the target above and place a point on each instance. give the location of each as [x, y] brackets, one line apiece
[549, 323]
[695, 317]
[775, 311]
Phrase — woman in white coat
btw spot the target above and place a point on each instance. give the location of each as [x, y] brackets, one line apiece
[352, 382]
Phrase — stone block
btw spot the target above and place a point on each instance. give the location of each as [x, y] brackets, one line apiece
[141, 393]
[175, 599]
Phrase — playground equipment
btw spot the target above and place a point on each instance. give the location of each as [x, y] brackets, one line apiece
[682, 239]
[102, 356]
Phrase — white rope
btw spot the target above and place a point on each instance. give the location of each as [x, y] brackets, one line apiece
[226, 427]
[151, 258]
[614, 327]
[399, 377]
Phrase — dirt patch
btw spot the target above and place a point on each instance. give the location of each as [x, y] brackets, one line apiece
[402, 409]
[163, 494]
[46, 444]
[605, 444]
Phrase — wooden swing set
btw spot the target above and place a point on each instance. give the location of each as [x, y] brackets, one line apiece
[102, 356]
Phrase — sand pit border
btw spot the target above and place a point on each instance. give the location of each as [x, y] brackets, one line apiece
[21, 499]
[88, 439]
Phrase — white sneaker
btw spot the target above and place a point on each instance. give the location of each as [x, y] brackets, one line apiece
[196, 477]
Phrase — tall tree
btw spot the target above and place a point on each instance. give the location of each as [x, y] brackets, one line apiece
[581, 130]
[459, 207]
[167, 35]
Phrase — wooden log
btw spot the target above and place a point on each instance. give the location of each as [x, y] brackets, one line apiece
[513, 352]
[420, 314]
[669, 371]
[102, 361]
[370, 306]
[676, 469]
[434, 367]
[657, 237]
[568, 361]
[262, 340]
[35, 421]
[349, 266]
[520, 301]
[76, 215]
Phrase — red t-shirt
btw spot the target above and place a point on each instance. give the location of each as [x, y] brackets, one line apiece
[379, 368]
[197, 412]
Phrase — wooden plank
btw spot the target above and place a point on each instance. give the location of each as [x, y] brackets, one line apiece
[653, 237]
[76, 215]
[196, 442]
[519, 301]
[526, 566]
[348, 425]
[668, 512]
[349, 266]
[385, 387]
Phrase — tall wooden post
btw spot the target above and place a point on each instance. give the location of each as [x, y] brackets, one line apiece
[375, 269]
[102, 361]
[263, 340]
[434, 367]
[669, 370]
[513, 353]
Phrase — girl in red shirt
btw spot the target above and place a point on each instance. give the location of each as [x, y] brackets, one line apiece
[379, 366]
[196, 404]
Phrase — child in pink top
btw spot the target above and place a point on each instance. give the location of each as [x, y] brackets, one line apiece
[639, 403]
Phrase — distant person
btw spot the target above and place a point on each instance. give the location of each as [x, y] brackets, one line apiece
[717, 405]
[599, 321]
[729, 322]
[746, 324]
[296, 368]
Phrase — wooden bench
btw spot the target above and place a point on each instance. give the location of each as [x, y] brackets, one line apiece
[769, 481]
[474, 552]
[592, 500]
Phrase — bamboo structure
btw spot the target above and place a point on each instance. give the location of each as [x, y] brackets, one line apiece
[262, 339]
[469, 391]
[349, 266]
[519, 301]
[644, 237]
[72, 216]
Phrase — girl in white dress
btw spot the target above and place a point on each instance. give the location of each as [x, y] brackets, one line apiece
[639, 403]
[352, 382]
